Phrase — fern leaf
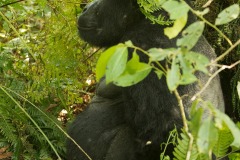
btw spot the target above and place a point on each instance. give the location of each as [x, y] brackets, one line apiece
[7, 129]
[180, 151]
[223, 143]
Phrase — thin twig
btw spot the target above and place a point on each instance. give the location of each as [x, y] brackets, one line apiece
[11, 3]
[207, 4]
[212, 25]
[227, 52]
[185, 125]
[213, 76]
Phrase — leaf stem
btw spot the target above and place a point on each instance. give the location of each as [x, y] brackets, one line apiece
[227, 52]
[213, 26]
[185, 125]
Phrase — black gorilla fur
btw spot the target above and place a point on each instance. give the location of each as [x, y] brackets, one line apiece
[120, 122]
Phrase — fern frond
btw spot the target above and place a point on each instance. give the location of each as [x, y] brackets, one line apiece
[223, 143]
[180, 151]
[149, 8]
[7, 129]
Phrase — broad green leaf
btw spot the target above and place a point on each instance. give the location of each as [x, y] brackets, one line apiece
[129, 43]
[179, 24]
[234, 156]
[207, 136]
[198, 61]
[116, 64]
[196, 119]
[224, 119]
[191, 35]
[176, 9]
[173, 76]
[135, 72]
[227, 15]
[238, 89]
[187, 76]
[158, 54]
[102, 62]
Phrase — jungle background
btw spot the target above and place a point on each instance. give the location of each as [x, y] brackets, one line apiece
[47, 74]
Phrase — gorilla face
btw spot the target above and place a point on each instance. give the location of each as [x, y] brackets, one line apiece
[103, 23]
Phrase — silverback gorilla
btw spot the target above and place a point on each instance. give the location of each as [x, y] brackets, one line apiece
[121, 121]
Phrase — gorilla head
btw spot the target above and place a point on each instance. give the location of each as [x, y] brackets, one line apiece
[104, 22]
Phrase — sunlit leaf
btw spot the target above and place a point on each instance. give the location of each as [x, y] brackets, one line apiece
[187, 76]
[135, 72]
[198, 61]
[196, 117]
[227, 15]
[176, 9]
[177, 27]
[207, 136]
[158, 54]
[102, 62]
[173, 76]
[225, 120]
[191, 35]
[159, 73]
[116, 64]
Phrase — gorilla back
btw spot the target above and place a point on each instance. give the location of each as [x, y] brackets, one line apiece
[120, 122]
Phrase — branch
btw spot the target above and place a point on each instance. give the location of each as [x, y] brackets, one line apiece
[11, 3]
[212, 25]
[207, 4]
[213, 76]
[185, 125]
[227, 52]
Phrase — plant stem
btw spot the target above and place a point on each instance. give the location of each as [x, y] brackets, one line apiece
[227, 52]
[185, 126]
[213, 26]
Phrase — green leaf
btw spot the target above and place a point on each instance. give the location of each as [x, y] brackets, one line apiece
[176, 9]
[159, 73]
[181, 150]
[227, 15]
[207, 136]
[234, 156]
[102, 62]
[116, 64]
[196, 118]
[198, 61]
[135, 72]
[225, 138]
[129, 43]
[187, 76]
[173, 76]
[179, 24]
[158, 54]
[191, 35]
[222, 120]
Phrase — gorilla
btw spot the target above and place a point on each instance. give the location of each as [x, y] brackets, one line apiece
[130, 123]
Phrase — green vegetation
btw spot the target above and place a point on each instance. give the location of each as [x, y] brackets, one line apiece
[44, 67]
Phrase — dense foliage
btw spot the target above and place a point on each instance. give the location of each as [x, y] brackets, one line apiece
[42, 61]
[44, 67]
